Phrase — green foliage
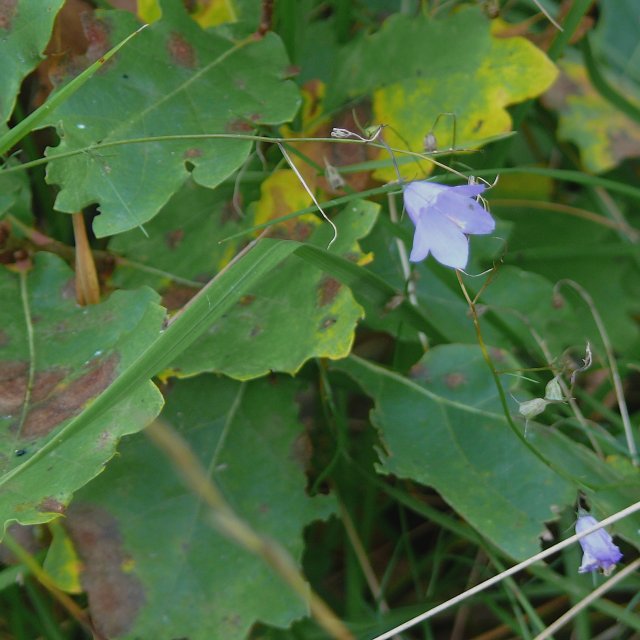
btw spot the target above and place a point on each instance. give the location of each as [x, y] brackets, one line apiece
[345, 444]
[56, 358]
[172, 80]
[191, 580]
[298, 313]
[444, 423]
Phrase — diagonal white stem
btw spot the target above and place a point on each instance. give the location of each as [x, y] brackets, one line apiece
[306, 188]
[509, 572]
[585, 602]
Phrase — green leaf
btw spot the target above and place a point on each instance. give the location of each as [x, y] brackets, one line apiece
[172, 574]
[25, 28]
[616, 37]
[443, 428]
[123, 398]
[182, 249]
[298, 313]
[615, 482]
[413, 82]
[173, 79]
[55, 359]
[15, 196]
[37, 117]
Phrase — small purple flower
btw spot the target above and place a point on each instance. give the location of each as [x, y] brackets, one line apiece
[598, 547]
[443, 217]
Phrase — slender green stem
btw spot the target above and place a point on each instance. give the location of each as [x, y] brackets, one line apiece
[26, 310]
[500, 389]
[613, 367]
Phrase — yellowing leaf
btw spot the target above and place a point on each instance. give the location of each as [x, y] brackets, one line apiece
[282, 193]
[210, 13]
[62, 562]
[419, 68]
[604, 135]
[149, 10]
[510, 71]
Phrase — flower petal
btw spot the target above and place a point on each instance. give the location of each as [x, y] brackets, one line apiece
[436, 233]
[469, 190]
[599, 550]
[469, 215]
[419, 195]
[421, 247]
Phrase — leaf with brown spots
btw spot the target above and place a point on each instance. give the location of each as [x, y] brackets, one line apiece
[153, 565]
[445, 428]
[296, 314]
[173, 79]
[25, 28]
[48, 379]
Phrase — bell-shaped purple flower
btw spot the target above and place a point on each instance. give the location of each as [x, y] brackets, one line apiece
[598, 547]
[443, 217]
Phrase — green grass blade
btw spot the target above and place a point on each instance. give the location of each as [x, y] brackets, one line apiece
[209, 305]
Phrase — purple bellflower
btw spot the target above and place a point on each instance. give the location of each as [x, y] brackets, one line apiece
[443, 217]
[598, 547]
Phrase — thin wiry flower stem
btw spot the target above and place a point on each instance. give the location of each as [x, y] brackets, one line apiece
[613, 367]
[96, 148]
[577, 412]
[585, 602]
[487, 358]
[311, 194]
[483, 586]
[501, 394]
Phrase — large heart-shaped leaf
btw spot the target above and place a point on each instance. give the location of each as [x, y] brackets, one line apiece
[173, 79]
[414, 82]
[444, 428]
[138, 530]
[55, 358]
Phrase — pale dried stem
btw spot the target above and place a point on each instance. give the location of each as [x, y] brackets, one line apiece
[87, 285]
[363, 560]
[47, 582]
[225, 520]
[585, 602]
[483, 586]
[311, 194]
